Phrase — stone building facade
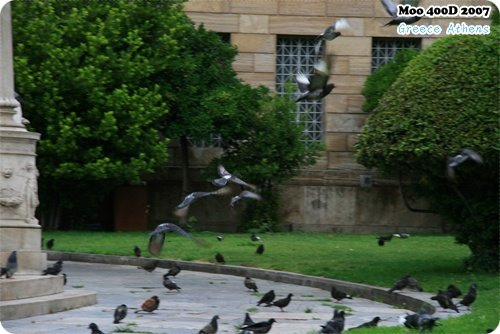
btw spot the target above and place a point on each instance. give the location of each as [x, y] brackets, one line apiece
[336, 194]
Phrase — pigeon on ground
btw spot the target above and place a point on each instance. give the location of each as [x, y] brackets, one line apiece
[50, 244]
[220, 237]
[445, 301]
[338, 320]
[95, 330]
[426, 322]
[282, 303]
[410, 320]
[65, 278]
[219, 258]
[328, 329]
[157, 237]
[413, 284]
[392, 10]
[137, 251]
[150, 305]
[11, 266]
[120, 313]
[372, 323]
[259, 327]
[406, 282]
[338, 295]
[260, 249]
[331, 32]
[316, 86]
[182, 209]
[174, 271]
[401, 235]
[460, 158]
[453, 291]
[250, 284]
[211, 327]
[55, 269]
[242, 195]
[254, 237]
[169, 284]
[248, 320]
[150, 266]
[382, 239]
[267, 298]
[226, 177]
[470, 297]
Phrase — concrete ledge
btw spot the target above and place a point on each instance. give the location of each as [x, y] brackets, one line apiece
[405, 300]
[30, 286]
[28, 307]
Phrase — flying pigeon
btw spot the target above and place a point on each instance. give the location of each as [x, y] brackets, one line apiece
[220, 237]
[372, 323]
[316, 86]
[267, 298]
[95, 330]
[11, 266]
[445, 301]
[392, 9]
[260, 327]
[260, 249]
[226, 177]
[460, 158]
[282, 303]
[182, 209]
[331, 32]
[174, 271]
[137, 251]
[150, 305]
[150, 266]
[339, 295]
[244, 194]
[211, 327]
[382, 239]
[169, 284]
[157, 237]
[50, 244]
[120, 313]
[219, 258]
[250, 284]
[55, 269]
[470, 297]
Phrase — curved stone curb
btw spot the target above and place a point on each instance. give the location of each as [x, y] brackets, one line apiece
[374, 293]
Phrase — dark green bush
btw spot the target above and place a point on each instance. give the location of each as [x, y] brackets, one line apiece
[447, 99]
[380, 80]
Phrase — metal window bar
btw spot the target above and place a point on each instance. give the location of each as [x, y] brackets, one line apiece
[215, 140]
[384, 49]
[296, 54]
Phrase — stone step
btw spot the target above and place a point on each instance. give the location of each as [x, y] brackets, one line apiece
[28, 286]
[28, 307]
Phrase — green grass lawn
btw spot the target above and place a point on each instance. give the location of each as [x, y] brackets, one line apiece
[435, 261]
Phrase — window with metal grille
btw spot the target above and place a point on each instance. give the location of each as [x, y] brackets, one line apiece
[215, 140]
[296, 54]
[384, 49]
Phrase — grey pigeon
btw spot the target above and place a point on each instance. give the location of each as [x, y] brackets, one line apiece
[413, 284]
[11, 266]
[50, 244]
[260, 250]
[470, 297]
[453, 291]
[211, 327]
[220, 258]
[267, 298]
[174, 271]
[406, 281]
[372, 323]
[331, 32]
[410, 320]
[248, 321]
[242, 195]
[260, 327]
[150, 266]
[250, 284]
[220, 237]
[401, 235]
[338, 320]
[392, 9]
[255, 237]
[328, 328]
[157, 237]
[226, 178]
[445, 301]
[137, 251]
[55, 269]
[183, 207]
[95, 330]
[460, 158]
[426, 322]
[282, 303]
[316, 86]
[169, 284]
[383, 239]
[120, 313]
[338, 295]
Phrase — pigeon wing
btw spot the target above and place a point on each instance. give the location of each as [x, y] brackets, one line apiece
[302, 82]
[341, 24]
[390, 7]
[192, 197]
[473, 156]
[155, 244]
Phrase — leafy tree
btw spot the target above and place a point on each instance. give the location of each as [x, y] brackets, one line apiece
[89, 72]
[444, 101]
[380, 80]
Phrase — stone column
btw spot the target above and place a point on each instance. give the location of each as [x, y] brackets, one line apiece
[19, 229]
